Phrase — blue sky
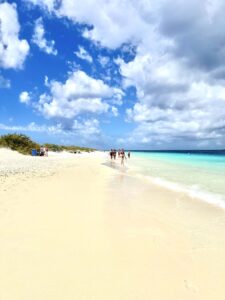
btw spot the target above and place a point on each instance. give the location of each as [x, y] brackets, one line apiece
[138, 75]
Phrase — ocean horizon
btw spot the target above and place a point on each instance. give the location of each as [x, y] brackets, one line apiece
[192, 151]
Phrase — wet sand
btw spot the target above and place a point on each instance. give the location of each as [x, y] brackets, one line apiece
[91, 232]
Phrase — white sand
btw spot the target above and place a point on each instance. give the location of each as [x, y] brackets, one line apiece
[91, 232]
[14, 165]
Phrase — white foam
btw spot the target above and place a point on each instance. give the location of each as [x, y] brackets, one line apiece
[193, 191]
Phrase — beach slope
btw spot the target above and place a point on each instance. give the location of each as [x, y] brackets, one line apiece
[87, 231]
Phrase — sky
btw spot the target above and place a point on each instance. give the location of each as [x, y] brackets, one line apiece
[146, 74]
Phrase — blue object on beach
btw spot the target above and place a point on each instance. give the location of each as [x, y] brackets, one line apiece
[34, 152]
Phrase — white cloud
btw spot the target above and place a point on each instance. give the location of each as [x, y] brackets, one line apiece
[114, 22]
[25, 97]
[56, 129]
[46, 4]
[87, 130]
[40, 40]
[179, 66]
[87, 127]
[13, 51]
[194, 122]
[175, 105]
[79, 94]
[103, 60]
[115, 111]
[32, 127]
[83, 54]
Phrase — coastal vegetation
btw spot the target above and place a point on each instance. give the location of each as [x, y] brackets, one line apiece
[58, 148]
[18, 142]
[24, 144]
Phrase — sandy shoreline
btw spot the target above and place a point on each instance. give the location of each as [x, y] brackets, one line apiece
[86, 231]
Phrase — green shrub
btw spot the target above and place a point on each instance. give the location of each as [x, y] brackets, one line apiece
[24, 145]
[58, 148]
[18, 142]
[54, 147]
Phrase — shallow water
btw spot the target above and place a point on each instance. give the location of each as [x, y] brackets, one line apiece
[200, 175]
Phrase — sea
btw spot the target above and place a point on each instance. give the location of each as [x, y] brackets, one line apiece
[200, 174]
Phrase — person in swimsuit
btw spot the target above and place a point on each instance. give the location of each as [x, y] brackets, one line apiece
[111, 154]
[42, 151]
[46, 151]
[123, 156]
[114, 153]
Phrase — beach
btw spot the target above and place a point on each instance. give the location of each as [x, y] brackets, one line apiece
[79, 227]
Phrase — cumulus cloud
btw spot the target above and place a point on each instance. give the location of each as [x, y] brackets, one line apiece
[194, 28]
[85, 127]
[31, 127]
[174, 105]
[78, 95]
[25, 97]
[13, 50]
[178, 69]
[86, 130]
[83, 54]
[40, 40]
[110, 26]
[179, 78]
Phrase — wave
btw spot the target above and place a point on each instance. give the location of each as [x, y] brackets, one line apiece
[193, 191]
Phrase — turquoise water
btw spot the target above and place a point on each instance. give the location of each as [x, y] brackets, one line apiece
[201, 175]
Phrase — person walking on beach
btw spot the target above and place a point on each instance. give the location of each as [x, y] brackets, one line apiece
[111, 154]
[128, 154]
[46, 151]
[42, 151]
[114, 153]
[123, 156]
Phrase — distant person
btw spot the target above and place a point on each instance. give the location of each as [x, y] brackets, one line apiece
[114, 153]
[128, 154]
[123, 156]
[42, 151]
[111, 154]
[46, 151]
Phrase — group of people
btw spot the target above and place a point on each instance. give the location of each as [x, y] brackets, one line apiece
[121, 154]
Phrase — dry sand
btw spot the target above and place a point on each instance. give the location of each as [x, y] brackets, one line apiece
[87, 231]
